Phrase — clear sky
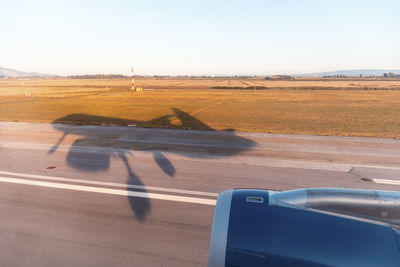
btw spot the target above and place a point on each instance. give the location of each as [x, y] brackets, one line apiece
[198, 37]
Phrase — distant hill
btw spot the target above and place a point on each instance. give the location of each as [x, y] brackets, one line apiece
[364, 72]
[4, 72]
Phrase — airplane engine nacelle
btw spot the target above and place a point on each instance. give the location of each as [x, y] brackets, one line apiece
[307, 227]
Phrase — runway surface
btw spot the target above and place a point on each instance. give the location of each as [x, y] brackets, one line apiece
[127, 196]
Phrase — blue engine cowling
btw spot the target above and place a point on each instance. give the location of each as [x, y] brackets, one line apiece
[306, 227]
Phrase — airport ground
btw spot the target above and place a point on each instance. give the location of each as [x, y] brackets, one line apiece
[93, 195]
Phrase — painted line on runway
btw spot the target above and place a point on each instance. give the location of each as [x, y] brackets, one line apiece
[130, 186]
[381, 181]
[203, 201]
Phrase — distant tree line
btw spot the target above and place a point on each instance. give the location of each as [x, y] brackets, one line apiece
[335, 76]
[385, 75]
[280, 77]
[99, 76]
[391, 75]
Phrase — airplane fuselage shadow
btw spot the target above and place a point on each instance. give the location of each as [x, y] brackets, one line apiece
[95, 161]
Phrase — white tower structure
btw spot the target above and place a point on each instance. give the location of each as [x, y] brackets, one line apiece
[133, 82]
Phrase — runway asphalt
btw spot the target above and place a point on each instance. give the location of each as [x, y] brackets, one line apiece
[128, 196]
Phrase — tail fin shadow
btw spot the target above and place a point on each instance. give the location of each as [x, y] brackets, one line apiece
[189, 121]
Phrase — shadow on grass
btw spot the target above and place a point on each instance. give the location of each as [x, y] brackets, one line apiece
[99, 157]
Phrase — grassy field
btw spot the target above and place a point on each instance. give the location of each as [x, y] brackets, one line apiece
[322, 112]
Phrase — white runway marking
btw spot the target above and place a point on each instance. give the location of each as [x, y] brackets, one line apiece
[383, 181]
[120, 192]
[131, 186]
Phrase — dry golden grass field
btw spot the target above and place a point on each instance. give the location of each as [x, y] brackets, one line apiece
[350, 112]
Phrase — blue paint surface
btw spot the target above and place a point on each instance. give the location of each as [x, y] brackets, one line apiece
[276, 234]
